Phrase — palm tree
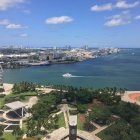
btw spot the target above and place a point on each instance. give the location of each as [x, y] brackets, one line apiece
[30, 126]
[17, 132]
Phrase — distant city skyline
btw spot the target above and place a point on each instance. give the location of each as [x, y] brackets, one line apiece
[47, 23]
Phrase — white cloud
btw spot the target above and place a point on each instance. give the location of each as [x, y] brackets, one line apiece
[105, 7]
[27, 11]
[59, 20]
[124, 4]
[5, 4]
[117, 20]
[24, 35]
[121, 4]
[10, 25]
[4, 22]
[137, 17]
[15, 26]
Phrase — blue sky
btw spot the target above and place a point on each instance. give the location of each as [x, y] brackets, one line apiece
[45, 23]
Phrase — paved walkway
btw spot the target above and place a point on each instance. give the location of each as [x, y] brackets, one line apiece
[96, 125]
[57, 113]
[65, 110]
[61, 132]
[66, 119]
[98, 130]
[32, 101]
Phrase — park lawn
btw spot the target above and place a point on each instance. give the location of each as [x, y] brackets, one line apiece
[1, 102]
[103, 136]
[9, 136]
[23, 94]
[24, 127]
[61, 120]
[80, 123]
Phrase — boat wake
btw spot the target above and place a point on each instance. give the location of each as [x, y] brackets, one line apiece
[68, 75]
[74, 76]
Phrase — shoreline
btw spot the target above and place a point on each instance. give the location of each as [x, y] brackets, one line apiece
[130, 96]
[7, 88]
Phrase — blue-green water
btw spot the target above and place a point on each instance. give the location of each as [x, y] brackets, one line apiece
[121, 70]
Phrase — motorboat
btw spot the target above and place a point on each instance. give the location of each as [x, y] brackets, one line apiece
[67, 75]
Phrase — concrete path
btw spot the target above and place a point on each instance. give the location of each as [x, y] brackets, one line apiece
[96, 125]
[32, 101]
[98, 130]
[57, 113]
[61, 132]
[66, 119]
[65, 110]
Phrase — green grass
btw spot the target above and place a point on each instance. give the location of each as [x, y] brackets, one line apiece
[61, 120]
[1, 102]
[103, 136]
[80, 124]
[23, 94]
[24, 126]
[9, 136]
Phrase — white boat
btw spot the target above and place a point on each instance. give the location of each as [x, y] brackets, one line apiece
[67, 75]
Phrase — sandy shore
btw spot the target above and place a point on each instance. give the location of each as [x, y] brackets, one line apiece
[132, 97]
[7, 88]
[129, 96]
[135, 96]
[45, 90]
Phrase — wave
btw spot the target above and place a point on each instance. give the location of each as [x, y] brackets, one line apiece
[76, 76]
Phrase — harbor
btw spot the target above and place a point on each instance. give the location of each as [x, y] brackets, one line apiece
[115, 70]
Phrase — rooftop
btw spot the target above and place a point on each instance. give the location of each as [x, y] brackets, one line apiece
[15, 105]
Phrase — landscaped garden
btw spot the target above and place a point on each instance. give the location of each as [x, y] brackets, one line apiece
[98, 106]
[9, 136]
[81, 121]
[61, 120]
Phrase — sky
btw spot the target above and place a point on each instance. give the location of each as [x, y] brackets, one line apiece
[48, 23]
